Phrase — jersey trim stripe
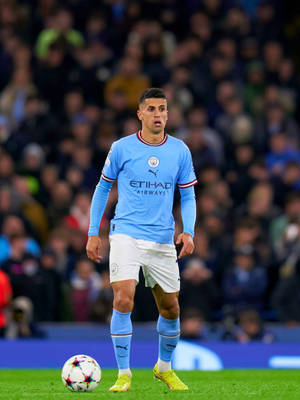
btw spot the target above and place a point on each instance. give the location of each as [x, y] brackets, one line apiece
[185, 185]
[106, 178]
[139, 136]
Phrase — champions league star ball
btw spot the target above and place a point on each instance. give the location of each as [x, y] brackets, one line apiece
[81, 374]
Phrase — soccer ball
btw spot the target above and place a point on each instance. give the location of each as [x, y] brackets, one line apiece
[81, 373]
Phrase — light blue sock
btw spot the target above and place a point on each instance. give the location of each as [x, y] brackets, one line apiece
[169, 332]
[121, 333]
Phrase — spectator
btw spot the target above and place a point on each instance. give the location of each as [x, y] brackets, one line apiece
[255, 86]
[267, 25]
[51, 75]
[24, 273]
[201, 149]
[49, 309]
[274, 121]
[130, 80]
[96, 28]
[260, 206]
[59, 240]
[38, 126]
[85, 288]
[249, 50]
[79, 212]
[73, 106]
[244, 283]
[13, 225]
[83, 73]
[7, 205]
[34, 212]
[251, 329]
[273, 53]
[74, 177]
[181, 82]
[5, 298]
[281, 152]
[82, 158]
[286, 299]
[81, 130]
[77, 243]
[193, 326]
[197, 117]
[198, 289]
[238, 175]
[61, 198]
[154, 62]
[290, 216]
[21, 324]
[47, 179]
[218, 241]
[102, 306]
[287, 82]
[118, 109]
[14, 95]
[5, 130]
[62, 28]
[287, 182]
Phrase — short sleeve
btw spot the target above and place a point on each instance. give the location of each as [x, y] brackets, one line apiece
[111, 166]
[186, 176]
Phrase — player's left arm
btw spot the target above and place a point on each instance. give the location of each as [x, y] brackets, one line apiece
[186, 182]
[188, 214]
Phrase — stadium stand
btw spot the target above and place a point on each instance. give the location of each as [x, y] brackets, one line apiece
[70, 76]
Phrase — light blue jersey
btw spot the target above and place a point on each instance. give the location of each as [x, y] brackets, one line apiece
[147, 176]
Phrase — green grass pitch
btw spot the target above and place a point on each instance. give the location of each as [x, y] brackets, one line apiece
[222, 385]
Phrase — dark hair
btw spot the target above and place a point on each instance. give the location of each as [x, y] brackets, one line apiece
[250, 316]
[192, 312]
[152, 93]
[291, 197]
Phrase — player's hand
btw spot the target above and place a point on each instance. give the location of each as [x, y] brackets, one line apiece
[93, 248]
[188, 244]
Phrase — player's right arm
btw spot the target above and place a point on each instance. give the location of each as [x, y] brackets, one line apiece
[99, 201]
[98, 205]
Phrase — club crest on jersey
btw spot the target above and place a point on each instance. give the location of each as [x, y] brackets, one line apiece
[153, 162]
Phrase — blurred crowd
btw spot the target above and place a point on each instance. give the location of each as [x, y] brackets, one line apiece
[71, 73]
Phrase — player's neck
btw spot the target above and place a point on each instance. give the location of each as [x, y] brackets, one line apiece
[153, 138]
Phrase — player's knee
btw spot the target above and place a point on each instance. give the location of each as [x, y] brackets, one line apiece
[170, 311]
[123, 302]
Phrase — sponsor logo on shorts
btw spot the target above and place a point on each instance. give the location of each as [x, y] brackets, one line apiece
[153, 162]
[114, 268]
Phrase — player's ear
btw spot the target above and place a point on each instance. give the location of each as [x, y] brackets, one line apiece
[139, 114]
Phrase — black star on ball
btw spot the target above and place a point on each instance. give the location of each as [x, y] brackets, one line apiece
[76, 363]
[88, 379]
[69, 382]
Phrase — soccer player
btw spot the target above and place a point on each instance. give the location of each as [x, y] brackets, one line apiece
[148, 165]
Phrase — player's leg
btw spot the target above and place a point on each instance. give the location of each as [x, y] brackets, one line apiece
[168, 327]
[162, 275]
[124, 270]
[121, 326]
